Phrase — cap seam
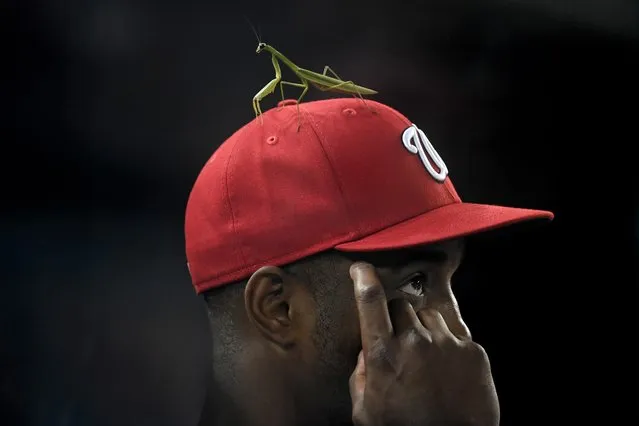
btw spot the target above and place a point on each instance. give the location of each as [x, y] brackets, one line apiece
[228, 198]
[320, 137]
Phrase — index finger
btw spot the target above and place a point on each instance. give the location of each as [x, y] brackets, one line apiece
[374, 318]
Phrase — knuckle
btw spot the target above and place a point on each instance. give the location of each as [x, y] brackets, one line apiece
[428, 315]
[431, 312]
[369, 293]
[379, 355]
[463, 333]
[412, 338]
[478, 352]
[448, 342]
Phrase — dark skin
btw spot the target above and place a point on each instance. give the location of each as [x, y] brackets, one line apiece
[394, 352]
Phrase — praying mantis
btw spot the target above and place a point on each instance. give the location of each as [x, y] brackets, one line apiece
[321, 81]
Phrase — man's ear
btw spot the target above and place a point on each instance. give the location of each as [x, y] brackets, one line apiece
[267, 300]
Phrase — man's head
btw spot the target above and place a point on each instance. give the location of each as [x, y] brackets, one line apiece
[277, 217]
[304, 319]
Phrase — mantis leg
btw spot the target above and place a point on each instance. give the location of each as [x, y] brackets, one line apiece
[268, 89]
[299, 121]
[336, 86]
[282, 83]
[304, 84]
[327, 68]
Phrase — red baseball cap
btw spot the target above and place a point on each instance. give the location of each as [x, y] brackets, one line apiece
[355, 176]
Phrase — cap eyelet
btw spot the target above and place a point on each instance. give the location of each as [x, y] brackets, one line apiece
[349, 111]
[271, 140]
[287, 102]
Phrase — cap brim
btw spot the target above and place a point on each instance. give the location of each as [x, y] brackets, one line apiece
[447, 222]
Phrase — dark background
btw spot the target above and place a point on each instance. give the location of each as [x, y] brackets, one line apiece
[112, 107]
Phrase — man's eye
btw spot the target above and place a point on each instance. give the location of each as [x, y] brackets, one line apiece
[415, 285]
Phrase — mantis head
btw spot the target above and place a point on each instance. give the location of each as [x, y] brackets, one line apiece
[260, 47]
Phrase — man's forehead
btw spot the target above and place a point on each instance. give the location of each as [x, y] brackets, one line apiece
[437, 252]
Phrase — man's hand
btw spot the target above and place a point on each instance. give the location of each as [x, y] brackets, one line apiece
[412, 369]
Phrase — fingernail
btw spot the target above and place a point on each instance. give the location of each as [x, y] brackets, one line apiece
[353, 270]
[355, 267]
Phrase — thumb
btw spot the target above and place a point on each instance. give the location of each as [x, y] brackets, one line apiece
[357, 381]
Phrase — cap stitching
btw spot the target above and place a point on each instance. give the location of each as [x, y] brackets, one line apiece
[228, 198]
[320, 137]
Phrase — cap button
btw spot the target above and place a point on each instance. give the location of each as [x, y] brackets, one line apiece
[287, 102]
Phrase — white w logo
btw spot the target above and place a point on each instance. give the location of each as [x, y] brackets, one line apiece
[415, 141]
